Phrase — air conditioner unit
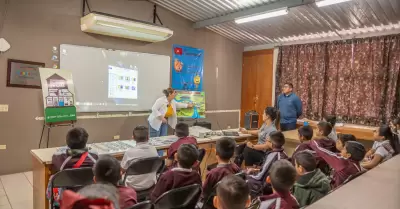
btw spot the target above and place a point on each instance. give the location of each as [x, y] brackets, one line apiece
[110, 25]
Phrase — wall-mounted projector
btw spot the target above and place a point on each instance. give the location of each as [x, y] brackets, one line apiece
[110, 25]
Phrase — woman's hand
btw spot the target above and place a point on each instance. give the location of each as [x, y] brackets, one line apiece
[243, 131]
[164, 120]
[190, 105]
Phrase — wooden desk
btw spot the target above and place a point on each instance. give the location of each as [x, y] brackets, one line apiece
[378, 188]
[41, 162]
[360, 132]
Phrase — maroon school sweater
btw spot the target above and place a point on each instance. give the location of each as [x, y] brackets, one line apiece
[127, 197]
[343, 168]
[175, 178]
[173, 148]
[70, 157]
[217, 174]
[279, 201]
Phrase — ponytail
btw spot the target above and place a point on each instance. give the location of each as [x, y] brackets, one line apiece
[274, 114]
[168, 91]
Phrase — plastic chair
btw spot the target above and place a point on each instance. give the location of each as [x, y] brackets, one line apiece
[143, 205]
[73, 178]
[180, 198]
[145, 166]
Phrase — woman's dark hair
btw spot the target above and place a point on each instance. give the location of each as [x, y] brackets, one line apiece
[331, 119]
[273, 113]
[168, 91]
[386, 132]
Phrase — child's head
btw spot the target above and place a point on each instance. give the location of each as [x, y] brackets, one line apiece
[270, 114]
[305, 133]
[353, 150]
[232, 193]
[77, 138]
[330, 119]
[384, 132]
[141, 134]
[182, 130]
[342, 139]
[282, 176]
[187, 155]
[276, 140]
[305, 162]
[107, 170]
[324, 128]
[99, 191]
[225, 149]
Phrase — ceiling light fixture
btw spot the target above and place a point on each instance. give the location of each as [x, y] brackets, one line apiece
[268, 14]
[329, 2]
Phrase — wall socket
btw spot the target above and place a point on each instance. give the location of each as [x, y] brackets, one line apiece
[3, 107]
[116, 137]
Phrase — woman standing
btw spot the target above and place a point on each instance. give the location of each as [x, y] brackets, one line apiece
[163, 113]
[254, 154]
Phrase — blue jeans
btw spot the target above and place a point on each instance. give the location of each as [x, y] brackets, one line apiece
[288, 126]
[162, 132]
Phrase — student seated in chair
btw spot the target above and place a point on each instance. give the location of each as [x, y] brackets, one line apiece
[232, 193]
[107, 170]
[342, 139]
[282, 177]
[182, 132]
[95, 196]
[332, 120]
[225, 149]
[306, 134]
[181, 176]
[142, 150]
[311, 184]
[75, 155]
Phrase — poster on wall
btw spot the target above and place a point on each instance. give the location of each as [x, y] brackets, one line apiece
[187, 68]
[58, 95]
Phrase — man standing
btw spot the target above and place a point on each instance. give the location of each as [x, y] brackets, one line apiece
[290, 107]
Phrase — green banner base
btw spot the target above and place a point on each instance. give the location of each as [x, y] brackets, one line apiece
[59, 114]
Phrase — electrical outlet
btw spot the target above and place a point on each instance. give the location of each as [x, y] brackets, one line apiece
[116, 137]
[3, 107]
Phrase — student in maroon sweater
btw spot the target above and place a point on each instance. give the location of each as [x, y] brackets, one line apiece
[225, 149]
[323, 130]
[282, 178]
[107, 170]
[181, 176]
[182, 132]
[232, 193]
[342, 139]
[345, 165]
[306, 134]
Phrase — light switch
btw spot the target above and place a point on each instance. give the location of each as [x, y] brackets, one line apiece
[3, 146]
[3, 107]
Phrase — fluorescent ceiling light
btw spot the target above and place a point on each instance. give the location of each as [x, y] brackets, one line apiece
[329, 2]
[269, 14]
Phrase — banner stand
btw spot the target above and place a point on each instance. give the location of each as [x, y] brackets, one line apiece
[53, 125]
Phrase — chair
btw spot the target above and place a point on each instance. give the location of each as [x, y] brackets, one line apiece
[143, 205]
[73, 178]
[179, 198]
[144, 166]
[202, 153]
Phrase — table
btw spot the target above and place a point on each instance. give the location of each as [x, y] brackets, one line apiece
[378, 188]
[359, 131]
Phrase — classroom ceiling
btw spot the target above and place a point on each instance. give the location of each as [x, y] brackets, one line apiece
[305, 19]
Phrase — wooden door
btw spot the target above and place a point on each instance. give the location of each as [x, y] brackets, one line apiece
[257, 82]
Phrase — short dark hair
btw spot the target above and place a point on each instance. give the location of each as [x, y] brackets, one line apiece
[77, 138]
[289, 84]
[187, 155]
[306, 160]
[141, 134]
[225, 148]
[103, 191]
[356, 150]
[277, 138]
[326, 127]
[233, 192]
[331, 119]
[346, 137]
[306, 131]
[283, 176]
[182, 130]
[107, 169]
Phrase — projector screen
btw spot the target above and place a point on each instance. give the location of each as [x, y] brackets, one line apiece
[112, 80]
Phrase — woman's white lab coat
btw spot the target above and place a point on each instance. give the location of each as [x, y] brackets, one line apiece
[160, 108]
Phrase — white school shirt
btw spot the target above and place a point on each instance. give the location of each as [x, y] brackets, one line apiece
[160, 108]
[384, 149]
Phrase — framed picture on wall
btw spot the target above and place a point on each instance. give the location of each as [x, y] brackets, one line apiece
[23, 74]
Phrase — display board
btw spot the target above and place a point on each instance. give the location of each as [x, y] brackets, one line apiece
[195, 97]
[113, 80]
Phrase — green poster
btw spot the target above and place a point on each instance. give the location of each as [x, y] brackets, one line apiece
[58, 95]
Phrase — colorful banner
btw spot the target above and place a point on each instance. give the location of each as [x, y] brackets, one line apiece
[187, 68]
[198, 99]
[58, 95]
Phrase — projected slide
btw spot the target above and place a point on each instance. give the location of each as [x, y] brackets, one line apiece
[197, 98]
[122, 83]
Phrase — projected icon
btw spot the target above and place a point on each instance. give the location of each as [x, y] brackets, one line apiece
[133, 88]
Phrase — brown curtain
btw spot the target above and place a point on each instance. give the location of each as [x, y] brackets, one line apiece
[356, 80]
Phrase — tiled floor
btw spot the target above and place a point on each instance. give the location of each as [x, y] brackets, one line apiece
[16, 191]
